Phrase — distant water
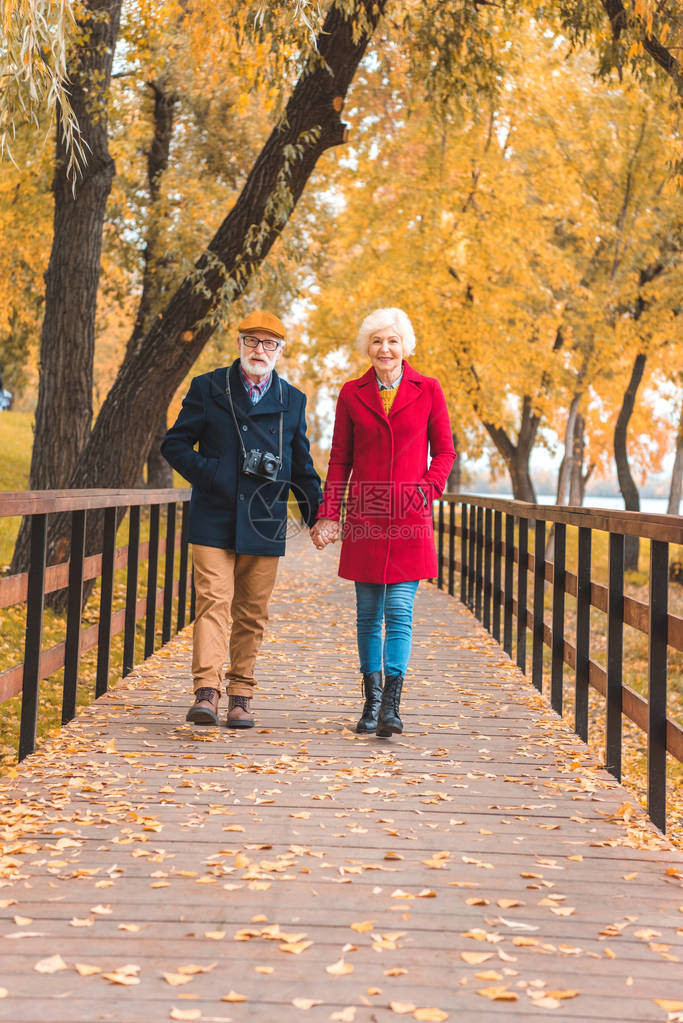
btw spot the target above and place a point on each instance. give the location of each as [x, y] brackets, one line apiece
[652, 505]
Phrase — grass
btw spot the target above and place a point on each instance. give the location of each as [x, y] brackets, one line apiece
[16, 438]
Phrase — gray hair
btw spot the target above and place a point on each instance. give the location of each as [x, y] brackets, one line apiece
[381, 318]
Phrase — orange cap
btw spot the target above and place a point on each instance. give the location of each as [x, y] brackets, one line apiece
[259, 320]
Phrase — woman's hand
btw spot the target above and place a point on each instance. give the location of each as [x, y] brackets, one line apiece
[323, 532]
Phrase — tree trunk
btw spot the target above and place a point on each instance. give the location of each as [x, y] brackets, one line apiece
[579, 478]
[677, 471]
[159, 472]
[454, 482]
[154, 284]
[64, 409]
[517, 455]
[627, 485]
[150, 375]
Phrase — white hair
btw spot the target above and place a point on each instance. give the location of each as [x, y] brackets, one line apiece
[381, 318]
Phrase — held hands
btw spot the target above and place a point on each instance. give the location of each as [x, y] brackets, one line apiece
[323, 532]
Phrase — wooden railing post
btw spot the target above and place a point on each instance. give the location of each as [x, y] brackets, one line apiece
[509, 571]
[539, 605]
[488, 517]
[656, 735]
[463, 552]
[169, 564]
[182, 572]
[583, 626]
[439, 580]
[131, 589]
[451, 547]
[615, 655]
[522, 584]
[106, 601]
[559, 587]
[152, 571]
[73, 616]
[497, 558]
[34, 636]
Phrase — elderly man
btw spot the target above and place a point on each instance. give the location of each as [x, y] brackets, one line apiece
[250, 428]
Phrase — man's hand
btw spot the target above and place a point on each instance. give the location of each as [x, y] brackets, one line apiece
[323, 532]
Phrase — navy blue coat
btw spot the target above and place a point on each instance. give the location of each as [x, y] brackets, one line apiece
[227, 508]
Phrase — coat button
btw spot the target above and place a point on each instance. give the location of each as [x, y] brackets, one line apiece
[244, 428]
[272, 429]
[241, 497]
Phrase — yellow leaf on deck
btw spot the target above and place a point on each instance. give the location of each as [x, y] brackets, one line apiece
[362, 926]
[176, 979]
[339, 969]
[668, 1005]
[234, 996]
[295, 947]
[475, 958]
[346, 1015]
[214, 935]
[305, 1003]
[498, 994]
[400, 1008]
[430, 1015]
[562, 994]
[185, 1015]
[86, 970]
[50, 965]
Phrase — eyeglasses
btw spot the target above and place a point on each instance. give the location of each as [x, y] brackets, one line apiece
[253, 342]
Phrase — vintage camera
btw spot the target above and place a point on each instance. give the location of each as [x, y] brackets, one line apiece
[262, 464]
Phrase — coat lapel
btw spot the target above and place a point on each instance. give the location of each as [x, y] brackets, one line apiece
[409, 389]
[368, 392]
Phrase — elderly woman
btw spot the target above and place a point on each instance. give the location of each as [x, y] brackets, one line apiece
[393, 437]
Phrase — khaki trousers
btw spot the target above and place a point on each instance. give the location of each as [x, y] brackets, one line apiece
[229, 586]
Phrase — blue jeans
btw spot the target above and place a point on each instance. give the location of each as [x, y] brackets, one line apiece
[391, 603]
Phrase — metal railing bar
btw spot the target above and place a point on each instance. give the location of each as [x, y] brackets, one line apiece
[73, 616]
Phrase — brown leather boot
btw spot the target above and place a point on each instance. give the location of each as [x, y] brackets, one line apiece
[239, 712]
[204, 710]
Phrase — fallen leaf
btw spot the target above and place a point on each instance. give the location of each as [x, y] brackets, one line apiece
[86, 970]
[362, 926]
[185, 1014]
[339, 969]
[263, 969]
[3, 992]
[430, 1015]
[305, 1003]
[22, 921]
[295, 947]
[668, 1005]
[508, 903]
[395, 971]
[176, 979]
[193, 969]
[50, 965]
[498, 994]
[234, 996]
[346, 1015]
[84, 922]
[475, 958]
[214, 935]
[400, 1008]
[562, 994]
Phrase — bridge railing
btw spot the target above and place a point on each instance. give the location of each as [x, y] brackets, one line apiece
[487, 542]
[30, 588]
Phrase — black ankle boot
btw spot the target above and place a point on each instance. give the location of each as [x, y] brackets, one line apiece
[388, 720]
[372, 687]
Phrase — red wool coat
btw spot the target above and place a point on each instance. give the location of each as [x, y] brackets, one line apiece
[388, 534]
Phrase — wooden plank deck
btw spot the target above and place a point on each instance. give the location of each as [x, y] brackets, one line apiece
[323, 875]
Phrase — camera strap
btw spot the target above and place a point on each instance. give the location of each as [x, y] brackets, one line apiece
[234, 416]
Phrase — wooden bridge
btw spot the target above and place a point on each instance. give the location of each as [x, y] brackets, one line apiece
[481, 866]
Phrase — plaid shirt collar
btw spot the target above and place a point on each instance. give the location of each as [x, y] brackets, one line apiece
[255, 391]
